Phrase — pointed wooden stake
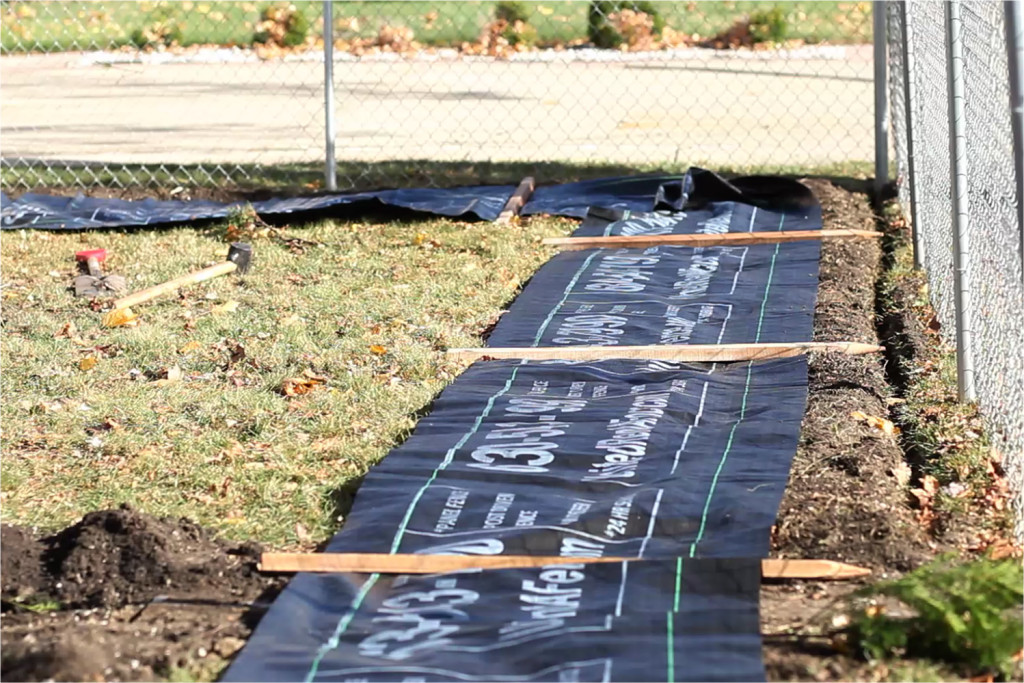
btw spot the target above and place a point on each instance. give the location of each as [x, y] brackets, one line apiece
[368, 563]
[695, 353]
[515, 203]
[720, 240]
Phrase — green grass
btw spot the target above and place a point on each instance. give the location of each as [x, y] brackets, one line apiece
[944, 438]
[56, 26]
[368, 307]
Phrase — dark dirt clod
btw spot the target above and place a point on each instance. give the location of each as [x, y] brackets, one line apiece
[21, 563]
[102, 572]
[117, 557]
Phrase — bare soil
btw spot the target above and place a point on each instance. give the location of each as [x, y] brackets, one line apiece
[845, 501]
[847, 497]
[124, 596]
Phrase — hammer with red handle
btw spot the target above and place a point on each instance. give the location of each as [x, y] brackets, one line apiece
[96, 283]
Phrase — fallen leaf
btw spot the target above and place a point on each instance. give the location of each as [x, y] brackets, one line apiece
[69, 330]
[293, 319]
[171, 375]
[378, 350]
[88, 363]
[301, 533]
[121, 317]
[226, 307]
[297, 386]
[903, 473]
[879, 423]
[190, 347]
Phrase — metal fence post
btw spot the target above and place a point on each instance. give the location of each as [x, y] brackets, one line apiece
[330, 170]
[881, 97]
[958, 184]
[909, 100]
[1015, 65]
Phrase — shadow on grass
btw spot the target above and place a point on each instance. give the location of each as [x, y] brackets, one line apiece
[232, 182]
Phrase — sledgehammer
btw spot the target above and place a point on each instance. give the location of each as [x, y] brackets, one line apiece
[239, 259]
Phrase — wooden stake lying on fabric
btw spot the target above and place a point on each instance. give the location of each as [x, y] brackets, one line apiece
[727, 239]
[380, 563]
[515, 203]
[696, 353]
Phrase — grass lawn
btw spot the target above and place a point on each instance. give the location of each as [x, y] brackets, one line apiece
[55, 26]
[368, 308]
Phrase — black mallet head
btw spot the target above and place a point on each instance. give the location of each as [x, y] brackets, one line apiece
[240, 254]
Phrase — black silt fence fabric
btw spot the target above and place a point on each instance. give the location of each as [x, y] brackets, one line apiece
[683, 465]
[644, 193]
[670, 620]
[615, 458]
[666, 295]
[624, 458]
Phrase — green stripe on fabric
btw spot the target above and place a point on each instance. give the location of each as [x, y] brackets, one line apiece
[743, 402]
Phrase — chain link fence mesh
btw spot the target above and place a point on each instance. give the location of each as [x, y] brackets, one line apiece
[230, 94]
[993, 260]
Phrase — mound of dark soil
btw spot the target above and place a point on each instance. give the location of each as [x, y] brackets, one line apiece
[77, 605]
[116, 557]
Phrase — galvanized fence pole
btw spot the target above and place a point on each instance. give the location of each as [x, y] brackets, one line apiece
[881, 97]
[330, 170]
[958, 183]
[909, 101]
[1015, 65]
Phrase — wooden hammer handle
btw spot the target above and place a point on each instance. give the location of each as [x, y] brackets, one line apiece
[192, 278]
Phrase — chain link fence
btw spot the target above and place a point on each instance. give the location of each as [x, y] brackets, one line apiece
[231, 94]
[979, 293]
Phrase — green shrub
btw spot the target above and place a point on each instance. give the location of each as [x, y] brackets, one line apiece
[963, 613]
[603, 33]
[163, 29]
[282, 24]
[768, 25]
[520, 33]
[511, 11]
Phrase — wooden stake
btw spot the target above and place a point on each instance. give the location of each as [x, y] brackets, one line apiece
[515, 203]
[720, 240]
[702, 353]
[368, 563]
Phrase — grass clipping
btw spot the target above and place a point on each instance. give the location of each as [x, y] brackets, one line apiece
[967, 614]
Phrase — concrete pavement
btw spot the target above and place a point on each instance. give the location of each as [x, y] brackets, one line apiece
[807, 109]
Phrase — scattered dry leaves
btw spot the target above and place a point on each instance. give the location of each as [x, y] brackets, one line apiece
[880, 423]
[190, 347]
[226, 307]
[120, 317]
[297, 386]
[170, 376]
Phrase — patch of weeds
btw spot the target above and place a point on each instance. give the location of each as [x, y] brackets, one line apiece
[511, 11]
[955, 469]
[282, 25]
[967, 614]
[164, 30]
[606, 28]
[38, 604]
[768, 25]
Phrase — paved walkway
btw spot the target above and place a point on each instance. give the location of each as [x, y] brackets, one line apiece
[722, 111]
